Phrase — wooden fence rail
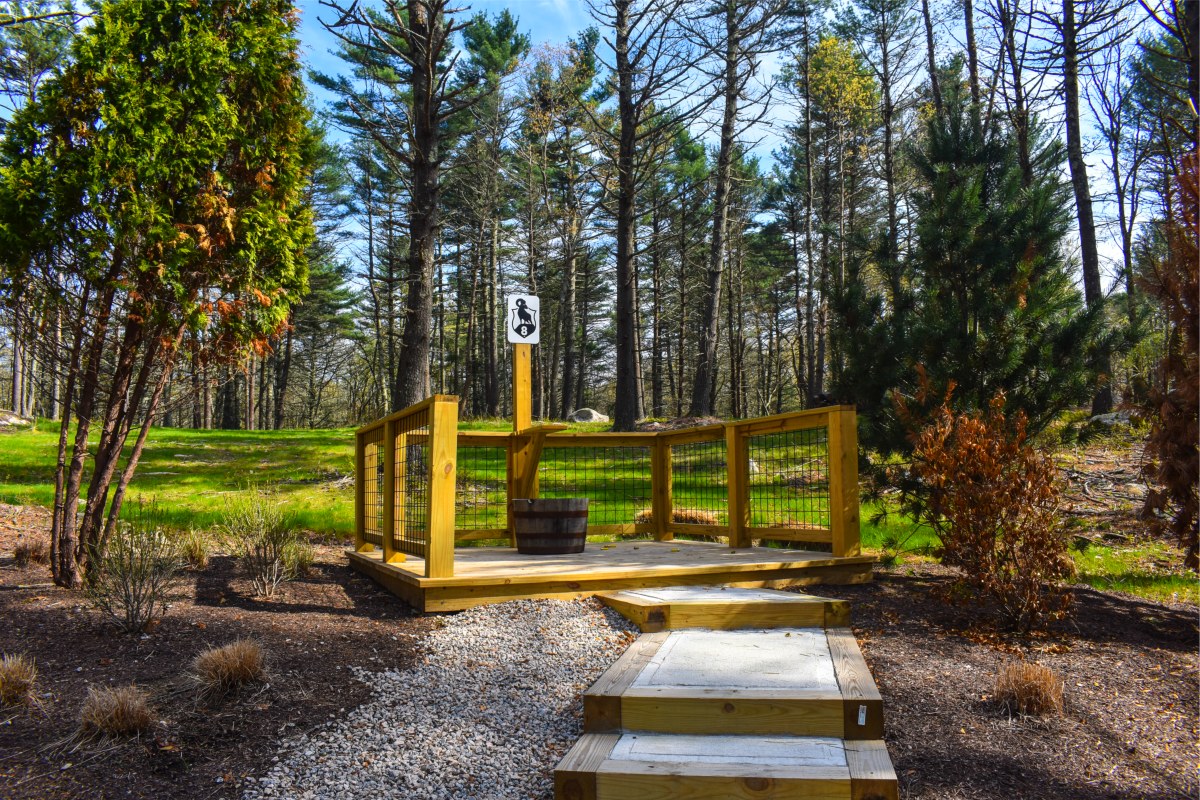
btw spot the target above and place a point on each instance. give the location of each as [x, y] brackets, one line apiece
[788, 477]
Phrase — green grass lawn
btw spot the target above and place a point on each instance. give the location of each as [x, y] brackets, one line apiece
[190, 475]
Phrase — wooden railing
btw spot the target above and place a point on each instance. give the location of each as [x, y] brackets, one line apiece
[414, 453]
[788, 477]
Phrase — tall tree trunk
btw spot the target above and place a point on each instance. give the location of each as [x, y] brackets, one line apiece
[972, 53]
[707, 346]
[282, 373]
[1093, 291]
[628, 389]
[568, 323]
[934, 89]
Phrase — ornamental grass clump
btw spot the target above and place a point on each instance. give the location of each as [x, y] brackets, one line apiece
[194, 548]
[31, 551]
[18, 680]
[1029, 689]
[115, 712]
[993, 501]
[223, 670]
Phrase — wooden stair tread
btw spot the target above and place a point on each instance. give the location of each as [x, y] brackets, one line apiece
[725, 608]
[617, 767]
[802, 681]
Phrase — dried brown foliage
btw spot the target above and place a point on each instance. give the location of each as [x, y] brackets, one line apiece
[1174, 403]
[18, 680]
[680, 516]
[1029, 689]
[221, 670]
[993, 501]
[31, 551]
[116, 711]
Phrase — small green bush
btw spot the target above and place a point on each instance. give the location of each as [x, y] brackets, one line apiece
[257, 531]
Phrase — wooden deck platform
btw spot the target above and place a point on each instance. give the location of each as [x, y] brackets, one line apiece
[485, 575]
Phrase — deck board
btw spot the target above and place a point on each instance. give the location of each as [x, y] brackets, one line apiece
[495, 574]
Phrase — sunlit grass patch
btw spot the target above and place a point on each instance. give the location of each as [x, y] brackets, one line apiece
[1150, 569]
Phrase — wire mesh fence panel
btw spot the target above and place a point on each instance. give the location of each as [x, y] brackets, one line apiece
[615, 479]
[480, 497]
[789, 479]
[700, 483]
[412, 483]
[372, 488]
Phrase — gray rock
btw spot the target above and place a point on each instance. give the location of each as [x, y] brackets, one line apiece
[587, 415]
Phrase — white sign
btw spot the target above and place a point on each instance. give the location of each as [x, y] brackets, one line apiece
[523, 324]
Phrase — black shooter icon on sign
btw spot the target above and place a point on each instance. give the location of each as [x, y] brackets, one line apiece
[523, 319]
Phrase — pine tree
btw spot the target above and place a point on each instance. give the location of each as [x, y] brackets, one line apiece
[994, 303]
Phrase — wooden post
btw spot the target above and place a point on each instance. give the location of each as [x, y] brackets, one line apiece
[361, 544]
[387, 493]
[522, 401]
[739, 494]
[843, 481]
[522, 397]
[660, 488]
[443, 451]
[510, 493]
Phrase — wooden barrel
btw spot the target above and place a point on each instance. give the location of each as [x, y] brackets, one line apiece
[550, 527]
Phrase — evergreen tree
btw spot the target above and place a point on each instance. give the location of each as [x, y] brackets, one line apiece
[994, 303]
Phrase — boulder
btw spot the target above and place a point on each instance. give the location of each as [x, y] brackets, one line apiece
[587, 415]
[1110, 420]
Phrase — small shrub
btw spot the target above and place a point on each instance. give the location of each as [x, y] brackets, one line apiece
[18, 679]
[257, 531]
[298, 558]
[133, 578]
[221, 670]
[116, 711]
[193, 547]
[993, 501]
[1029, 689]
[31, 551]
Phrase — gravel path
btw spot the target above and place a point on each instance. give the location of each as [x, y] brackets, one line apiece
[487, 714]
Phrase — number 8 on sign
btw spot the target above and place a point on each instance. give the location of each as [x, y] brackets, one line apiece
[523, 325]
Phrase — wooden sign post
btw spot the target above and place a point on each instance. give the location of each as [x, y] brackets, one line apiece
[524, 331]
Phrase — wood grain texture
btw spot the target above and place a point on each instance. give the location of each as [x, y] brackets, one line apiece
[732, 711]
[496, 574]
[602, 701]
[857, 685]
[669, 781]
[439, 546]
[872, 776]
[575, 775]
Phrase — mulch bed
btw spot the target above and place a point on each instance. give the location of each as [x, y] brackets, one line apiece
[1130, 666]
[313, 631]
[1130, 669]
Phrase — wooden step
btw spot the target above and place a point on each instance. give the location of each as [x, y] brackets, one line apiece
[726, 608]
[677, 767]
[785, 681]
